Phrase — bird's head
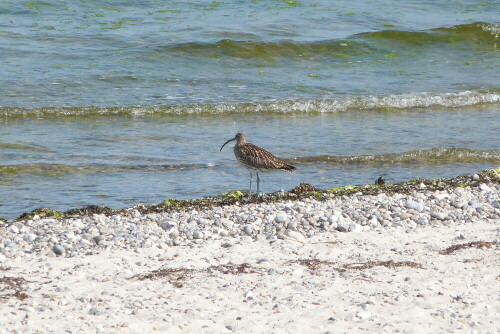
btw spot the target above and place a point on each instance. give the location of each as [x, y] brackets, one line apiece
[240, 139]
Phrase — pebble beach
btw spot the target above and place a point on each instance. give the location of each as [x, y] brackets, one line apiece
[422, 261]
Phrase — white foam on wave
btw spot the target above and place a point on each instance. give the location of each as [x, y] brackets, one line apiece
[494, 29]
[347, 104]
[401, 101]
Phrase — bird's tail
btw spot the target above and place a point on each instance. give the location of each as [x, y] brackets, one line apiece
[288, 168]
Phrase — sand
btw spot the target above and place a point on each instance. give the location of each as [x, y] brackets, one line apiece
[384, 281]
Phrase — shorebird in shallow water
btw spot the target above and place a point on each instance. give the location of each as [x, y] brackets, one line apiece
[256, 159]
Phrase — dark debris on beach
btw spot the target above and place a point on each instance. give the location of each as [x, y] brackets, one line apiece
[315, 264]
[178, 276]
[12, 287]
[474, 244]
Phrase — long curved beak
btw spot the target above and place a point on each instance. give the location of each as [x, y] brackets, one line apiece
[227, 142]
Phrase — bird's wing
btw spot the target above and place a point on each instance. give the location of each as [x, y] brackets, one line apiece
[259, 158]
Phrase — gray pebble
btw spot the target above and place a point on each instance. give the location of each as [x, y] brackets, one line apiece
[248, 229]
[197, 234]
[439, 215]
[58, 249]
[94, 311]
[97, 239]
[417, 206]
[174, 234]
[281, 218]
[342, 228]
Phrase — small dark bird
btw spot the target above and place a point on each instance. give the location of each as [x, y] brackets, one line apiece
[380, 181]
[256, 159]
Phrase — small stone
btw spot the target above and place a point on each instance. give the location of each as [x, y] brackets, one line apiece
[342, 228]
[484, 187]
[439, 215]
[58, 249]
[248, 230]
[417, 206]
[173, 234]
[355, 228]
[167, 226]
[29, 237]
[94, 311]
[459, 204]
[104, 230]
[440, 197]
[475, 177]
[294, 235]
[97, 239]
[14, 229]
[281, 218]
[364, 315]
[344, 274]
[271, 271]
[203, 221]
[333, 219]
[405, 216]
[197, 234]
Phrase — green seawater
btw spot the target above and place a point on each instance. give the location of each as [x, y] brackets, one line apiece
[124, 102]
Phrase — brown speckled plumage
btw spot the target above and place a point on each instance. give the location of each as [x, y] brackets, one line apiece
[256, 159]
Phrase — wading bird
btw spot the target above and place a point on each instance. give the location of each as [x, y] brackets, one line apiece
[256, 159]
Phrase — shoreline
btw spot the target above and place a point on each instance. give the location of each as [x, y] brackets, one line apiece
[425, 260]
[299, 214]
[297, 193]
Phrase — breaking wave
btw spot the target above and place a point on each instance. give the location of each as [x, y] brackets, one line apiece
[362, 103]
[434, 156]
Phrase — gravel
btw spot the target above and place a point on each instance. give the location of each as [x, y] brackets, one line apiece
[287, 219]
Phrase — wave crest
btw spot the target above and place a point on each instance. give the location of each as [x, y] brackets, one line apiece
[434, 156]
[347, 104]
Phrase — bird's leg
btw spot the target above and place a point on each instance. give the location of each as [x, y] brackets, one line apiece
[258, 182]
[250, 190]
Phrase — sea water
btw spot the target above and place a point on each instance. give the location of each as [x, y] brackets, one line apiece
[124, 102]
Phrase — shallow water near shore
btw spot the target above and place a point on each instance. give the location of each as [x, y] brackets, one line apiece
[129, 103]
[120, 161]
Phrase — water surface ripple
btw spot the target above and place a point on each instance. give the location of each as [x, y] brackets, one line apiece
[124, 102]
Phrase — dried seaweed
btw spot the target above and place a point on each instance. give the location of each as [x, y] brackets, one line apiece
[314, 264]
[175, 276]
[476, 244]
[178, 276]
[12, 287]
[235, 269]
[388, 264]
